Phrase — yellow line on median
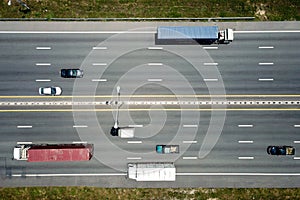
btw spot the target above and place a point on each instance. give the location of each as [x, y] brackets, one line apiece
[149, 109]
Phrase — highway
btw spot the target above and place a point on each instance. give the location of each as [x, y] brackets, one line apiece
[223, 104]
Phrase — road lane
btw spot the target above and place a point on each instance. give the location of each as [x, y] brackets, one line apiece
[241, 65]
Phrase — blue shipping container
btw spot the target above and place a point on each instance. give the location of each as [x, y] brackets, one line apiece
[187, 32]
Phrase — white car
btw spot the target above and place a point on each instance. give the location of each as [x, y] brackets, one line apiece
[50, 90]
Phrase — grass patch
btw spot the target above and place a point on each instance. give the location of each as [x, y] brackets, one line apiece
[262, 9]
[187, 193]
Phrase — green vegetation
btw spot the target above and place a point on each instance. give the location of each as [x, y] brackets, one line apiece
[168, 193]
[261, 9]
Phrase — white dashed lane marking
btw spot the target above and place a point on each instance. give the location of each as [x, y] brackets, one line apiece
[43, 48]
[245, 141]
[43, 64]
[22, 126]
[99, 48]
[246, 158]
[245, 126]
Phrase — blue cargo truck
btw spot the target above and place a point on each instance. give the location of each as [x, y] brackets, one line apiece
[166, 149]
[200, 34]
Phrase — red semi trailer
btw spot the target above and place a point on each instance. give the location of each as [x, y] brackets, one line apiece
[53, 152]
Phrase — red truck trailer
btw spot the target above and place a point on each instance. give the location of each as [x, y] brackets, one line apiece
[53, 152]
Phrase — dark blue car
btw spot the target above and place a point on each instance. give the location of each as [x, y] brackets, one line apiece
[71, 73]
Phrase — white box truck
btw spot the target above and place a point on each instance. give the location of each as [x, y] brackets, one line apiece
[123, 132]
[155, 171]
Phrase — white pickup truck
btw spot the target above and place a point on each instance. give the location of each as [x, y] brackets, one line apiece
[123, 132]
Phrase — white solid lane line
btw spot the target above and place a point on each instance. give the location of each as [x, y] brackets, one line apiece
[49, 175]
[80, 126]
[190, 142]
[210, 79]
[21, 126]
[235, 174]
[297, 125]
[134, 158]
[155, 64]
[154, 79]
[245, 125]
[266, 47]
[131, 32]
[42, 80]
[43, 64]
[134, 142]
[99, 64]
[155, 48]
[190, 125]
[274, 31]
[77, 32]
[210, 64]
[43, 48]
[246, 158]
[178, 174]
[99, 80]
[190, 158]
[265, 79]
[99, 48]
[210, 48]
[245, 141]
[266, 63]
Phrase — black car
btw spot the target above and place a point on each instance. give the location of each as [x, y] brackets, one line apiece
[71, 73]
[281, 150]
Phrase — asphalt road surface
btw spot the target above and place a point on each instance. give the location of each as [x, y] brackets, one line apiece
[223, 104]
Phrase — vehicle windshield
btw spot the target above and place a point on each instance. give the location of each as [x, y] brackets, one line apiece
[73, 72]
[53, 90]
